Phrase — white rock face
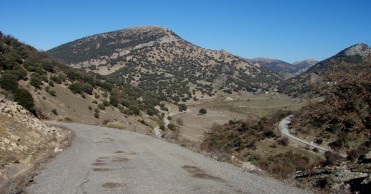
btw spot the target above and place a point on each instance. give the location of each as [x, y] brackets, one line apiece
[22, 133]
[359, 49]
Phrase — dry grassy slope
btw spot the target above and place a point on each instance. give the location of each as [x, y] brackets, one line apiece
[135, 52]
[75, 108]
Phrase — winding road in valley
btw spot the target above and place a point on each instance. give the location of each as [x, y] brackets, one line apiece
[283, 127]
[105, 160]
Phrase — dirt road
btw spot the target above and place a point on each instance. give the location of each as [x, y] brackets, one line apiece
[104, 160]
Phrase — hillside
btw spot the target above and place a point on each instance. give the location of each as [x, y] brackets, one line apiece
[50, 89]
[282, 67]
[156, 59]
[347, 65]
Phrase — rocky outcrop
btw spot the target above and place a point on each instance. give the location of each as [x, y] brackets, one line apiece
[24, 141]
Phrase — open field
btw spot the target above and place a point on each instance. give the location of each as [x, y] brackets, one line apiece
[225, 107]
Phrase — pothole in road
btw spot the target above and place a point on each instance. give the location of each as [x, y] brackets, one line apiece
[112, 185]
[199, 173]
[119, 152]
[99, 163]
[102, 169]
[119, 159]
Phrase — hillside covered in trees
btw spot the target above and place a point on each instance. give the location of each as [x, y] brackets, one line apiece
[156, 59]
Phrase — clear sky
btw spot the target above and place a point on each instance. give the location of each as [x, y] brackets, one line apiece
[289, 30]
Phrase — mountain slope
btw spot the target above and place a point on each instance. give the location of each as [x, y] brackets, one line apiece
[53, 90]
[346, 65]
[155, 58]
[283, 67]
[342, 119]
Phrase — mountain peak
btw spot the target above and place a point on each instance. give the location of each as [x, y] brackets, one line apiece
[358, 49]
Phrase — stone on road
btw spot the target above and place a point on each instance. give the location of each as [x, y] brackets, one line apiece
[105, 160]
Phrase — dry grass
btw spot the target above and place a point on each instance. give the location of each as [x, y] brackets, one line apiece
[116, 125]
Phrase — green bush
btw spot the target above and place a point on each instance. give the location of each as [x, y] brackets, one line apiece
[113, 101]
[36, 80]
[24, 98]
[182, 107]
[47, 64]
[202, 111]
[171, 126]
[8, 82]
[87, 88]
[75, 88]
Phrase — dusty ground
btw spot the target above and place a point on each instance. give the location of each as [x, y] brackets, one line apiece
[224, 107]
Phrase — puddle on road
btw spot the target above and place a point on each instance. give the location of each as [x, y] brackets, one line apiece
[199, 173]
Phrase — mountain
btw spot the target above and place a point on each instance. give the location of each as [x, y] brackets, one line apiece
[351, 63]
[343, 113]
[283, 67]
[155, 58]
[304, 65]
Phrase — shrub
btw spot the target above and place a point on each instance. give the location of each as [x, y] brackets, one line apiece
[101, 106]
[162, 127]
[331, 158]
[171, 126]
[8, 82]
[96, 115]
[87, 88]
[283, 141]
[36, 80]
[75, 88]
[116, 125]
[202, 111]
[182, 107]
[113, 101]
[47, 64]
[54, 111]
[24, 98]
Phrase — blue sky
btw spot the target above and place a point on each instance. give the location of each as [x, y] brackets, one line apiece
[289, 30]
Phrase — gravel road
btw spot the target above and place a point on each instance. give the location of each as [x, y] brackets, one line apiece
[104, 160]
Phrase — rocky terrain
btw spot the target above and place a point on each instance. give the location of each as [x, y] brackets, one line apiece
[286, 69]
[25, 142]
[156, 59]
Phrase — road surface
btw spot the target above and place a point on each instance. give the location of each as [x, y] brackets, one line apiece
[104, 160]
[283, 127]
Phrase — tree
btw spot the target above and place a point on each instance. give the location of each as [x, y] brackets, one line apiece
[24, 98]
[202, 111]
[8, 82]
